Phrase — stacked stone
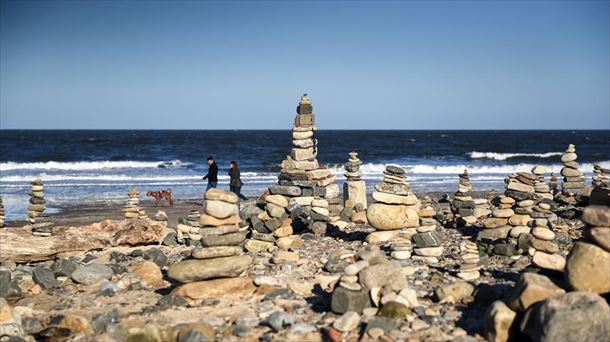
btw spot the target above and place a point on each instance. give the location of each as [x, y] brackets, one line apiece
[354, 188]
[41, 222]
[573, 178]
[188, 227]
[601, 176]
[2, 217]
[463, 205]
[132, 206]
[553, 184]
[273, 223]
[301, 179]
[469, 268]
[395, 207]
[428, 237]
[541, 188]
[162, 218]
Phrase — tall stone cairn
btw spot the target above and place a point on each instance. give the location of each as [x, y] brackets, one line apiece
[354, 187]
[601, 176]
[2, 217]
[41, 222]
[573, 178]
[132, 205]
[463, 205]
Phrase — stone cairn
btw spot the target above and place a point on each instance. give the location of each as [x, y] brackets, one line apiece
[573, 178]
[538, 306]
[469, 267]
[187, 231]
[601, 176]
[2, 217]
[354, 187]
[428, 237]
[162, 218]
[41, 222]
[463, 205]
[541, 188]
[553, 184]
[132, 205]
[218, 260]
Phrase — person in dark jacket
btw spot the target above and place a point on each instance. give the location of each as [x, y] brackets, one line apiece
[235, 183]
[212, 175]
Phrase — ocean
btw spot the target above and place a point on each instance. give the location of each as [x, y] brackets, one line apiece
[92, 166]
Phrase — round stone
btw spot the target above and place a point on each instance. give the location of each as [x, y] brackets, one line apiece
[543, 233]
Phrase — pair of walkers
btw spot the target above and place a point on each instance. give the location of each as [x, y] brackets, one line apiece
[234, 184]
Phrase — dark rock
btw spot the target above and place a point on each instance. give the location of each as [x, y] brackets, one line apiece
[5, 283]
[384, 323]
[346, 214]
[507, 249]
[136, 253]
[88, 258]
[100, 321]
[306, 191]
[575, 316]
[518, 195]
[117, 269]
[463, 205]
[395, 170]
[428, 239]
[170, 301]
[318, 217]
[32, 325]
[118, 257]
[273, 224]
[280, 320]
[193, 336]
[319, 191]
[336, 264]
[63, 268]
[291, 191]
[295, 210]
[44, 277]
[344, 300]
[155, 255]
[171, 239]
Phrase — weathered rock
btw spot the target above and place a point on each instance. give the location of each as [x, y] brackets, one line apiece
[44, 277]
[347, 322]
[92, 273]
[215, 288]
[394, 310]
[254, 246]
[220, 209]
[394, 199]
[458, 290]
[208, 220]
[427, 239]
[587, 268]
[549, 261]
[202, 269]
[601, 236]
[215, 252]
[596, 216]
[385, 274]
[216, 194]
[574, 316]
[532, 288]
[231, 239]
[150, 273]
[499, 322]
[389, 217]
[344, 300]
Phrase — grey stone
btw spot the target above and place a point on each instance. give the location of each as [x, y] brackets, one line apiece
[63, 267]
[44, 277]
[280, 320]
[101, 320]
[291, 191]
[344, 300]
[507, 249]
[428, 239]
[232, 239]
[93, 273]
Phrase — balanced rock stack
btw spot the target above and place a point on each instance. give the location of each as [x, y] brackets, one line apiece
[541, 188]
[469, 268]
[463, 205]
[428, 237]
[573, 178]
[132, 206]
[601, 176]
[553, 184]
[161, 217]
[395, 204]
[188, 227]
[41, 222]
[220, 220]
[354, 188]
[273, 223]
[2, 217]
[301, 179]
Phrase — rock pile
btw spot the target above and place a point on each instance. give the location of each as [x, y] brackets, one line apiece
[354, 188]
[2, 217]
[219, 254]
[428, 237]
[573, 178]
[463, 205]
[541, 188]
[601, 176]
[40, 222]
[544, 309]
[553, 184]
[161, 217]
[469, 268]
[132, 205]
[187, 231]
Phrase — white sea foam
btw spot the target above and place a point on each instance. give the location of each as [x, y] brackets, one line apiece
[504, 156]
[91, 165]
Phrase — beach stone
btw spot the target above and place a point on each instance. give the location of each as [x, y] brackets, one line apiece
[275, 210]
[203, 269]
[44, 277]
[601, 236]
[215, 252]
[507, 249]
[379, 275]
[278, 200]
[215, 288]
[344, 300]
[544, 246]
[502, 213]
[539, 170]
[518, 230]
[429, 251]
[356, 267]
[220, 209]
[530, 289]
[395, 170]
[347, 322]
[428, 239]
[254, 246]
[587, 268]
[500, 323]
[150, 273]
[458, 290]
[516, 186]
[495, 222]
[568, 157]
[216, 194]
[389, 217]
[394, 199]
[285, 256]
[519, 220]
[382, 236]
[285, 190]
[575, 316]
[91, 274]
[596, 216]
[494, 233]
[63, 267]
[232, 239]
[549, 261]
[396, 189]
[394, 310]
[570, 172]
[209, 220]
[543, 233]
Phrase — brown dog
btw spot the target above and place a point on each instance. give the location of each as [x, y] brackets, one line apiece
[160, 195]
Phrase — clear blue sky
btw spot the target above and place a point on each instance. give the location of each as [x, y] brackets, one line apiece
[386, 65]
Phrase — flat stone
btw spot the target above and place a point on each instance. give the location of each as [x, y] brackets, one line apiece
[516, 186]
[495, 222]
[516, 231]
[216, 288]
[543, 233]
[91, 274]
[429, 239]
[202, 269]
[495, 233]
[215, 252]
[549, 261]
[291, 191]
[429, 251]
[232, 239]
[587, 268]
[502, 213]
[216, 194]
[254, 246]
[394, 199]
[208, 220]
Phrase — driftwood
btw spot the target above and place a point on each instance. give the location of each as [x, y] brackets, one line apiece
[19, 245]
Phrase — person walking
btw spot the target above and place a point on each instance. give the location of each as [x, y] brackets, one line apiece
[212, 175]
[235, 183]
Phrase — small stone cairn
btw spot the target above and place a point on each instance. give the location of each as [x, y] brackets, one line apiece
[463, 205]
[469, 267]
[395, 207]
[219, 255]
[162, 218]
[2, 217]
[428, 237]
[41, 222]
[573, 178]
[354, 187]
[553, 184]
[132, 205]
[601, 176]
[187, 231]
[541, 188]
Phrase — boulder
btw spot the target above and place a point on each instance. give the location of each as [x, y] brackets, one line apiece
[203, 269]
[532, 288]
[389, 217]
[587, 268]
[499, 323]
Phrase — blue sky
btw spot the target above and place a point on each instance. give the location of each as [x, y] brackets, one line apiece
[241, 65]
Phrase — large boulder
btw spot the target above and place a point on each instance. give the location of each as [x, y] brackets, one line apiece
[189, 271]
[575, 316]
[389, 217]
[532, 288]
[588, 268]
